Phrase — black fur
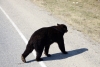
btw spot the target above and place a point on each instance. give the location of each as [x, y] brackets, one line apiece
[43, 38]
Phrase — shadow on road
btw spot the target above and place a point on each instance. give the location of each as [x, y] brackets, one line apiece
[58, 56]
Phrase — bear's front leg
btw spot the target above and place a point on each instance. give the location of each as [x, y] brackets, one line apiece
[65, 52]
[62, 46]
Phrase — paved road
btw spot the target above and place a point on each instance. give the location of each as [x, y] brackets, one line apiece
[27, 17]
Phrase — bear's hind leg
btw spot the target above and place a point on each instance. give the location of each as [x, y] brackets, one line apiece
[27, 51]
[47, 51]
[39, 51]
[38, 57]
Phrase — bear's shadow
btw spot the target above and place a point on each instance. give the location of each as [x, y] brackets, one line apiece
[58, 56]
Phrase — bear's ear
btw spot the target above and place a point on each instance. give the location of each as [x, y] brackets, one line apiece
[58, 24]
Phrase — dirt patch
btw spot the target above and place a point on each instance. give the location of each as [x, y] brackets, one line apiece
[83, 15]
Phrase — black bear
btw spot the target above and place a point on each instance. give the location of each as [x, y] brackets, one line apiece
[43, 38]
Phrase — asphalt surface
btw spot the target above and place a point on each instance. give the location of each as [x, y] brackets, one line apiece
[28, 17]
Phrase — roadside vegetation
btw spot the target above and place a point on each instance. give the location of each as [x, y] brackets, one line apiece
[83, 15]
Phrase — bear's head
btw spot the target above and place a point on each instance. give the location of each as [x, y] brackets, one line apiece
[62, 28]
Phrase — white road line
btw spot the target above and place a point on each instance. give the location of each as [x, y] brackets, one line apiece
[22, 36]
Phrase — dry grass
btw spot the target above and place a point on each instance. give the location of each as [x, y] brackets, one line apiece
[83, 15]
